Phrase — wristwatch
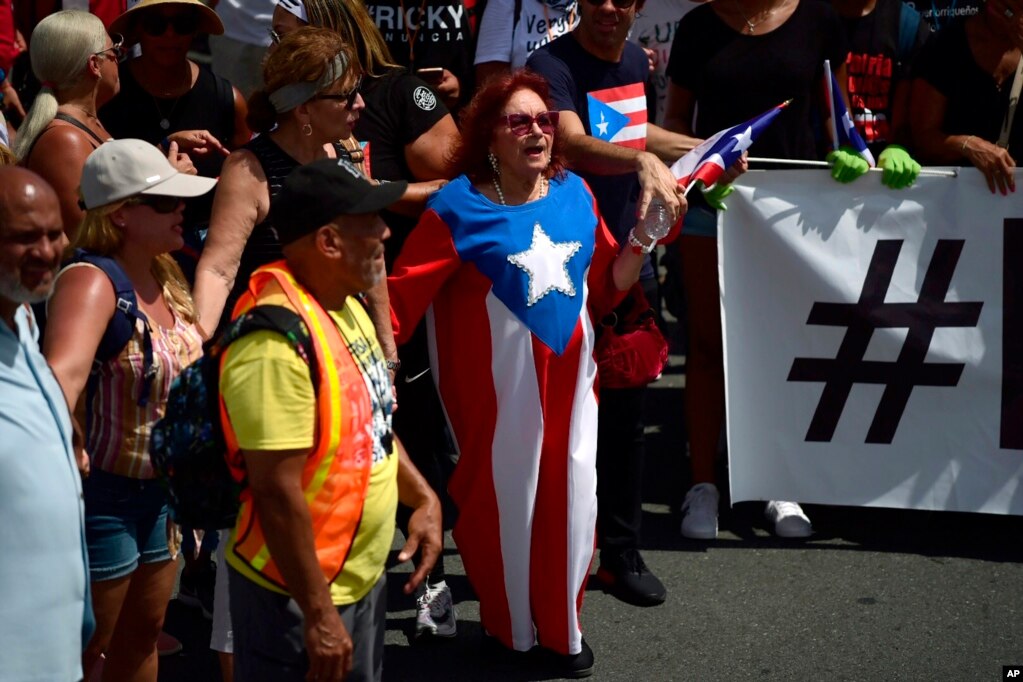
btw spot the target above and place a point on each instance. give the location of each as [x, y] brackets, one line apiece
[393, 365]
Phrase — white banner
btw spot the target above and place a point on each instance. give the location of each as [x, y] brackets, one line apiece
[864, 332]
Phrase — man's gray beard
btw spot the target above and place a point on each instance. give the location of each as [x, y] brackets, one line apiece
[12, 289]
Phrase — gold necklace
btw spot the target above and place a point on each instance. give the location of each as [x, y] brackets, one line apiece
[750, 25]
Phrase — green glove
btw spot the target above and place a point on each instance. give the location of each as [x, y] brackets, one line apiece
[847, 164]
[716, 194]
[900, 170]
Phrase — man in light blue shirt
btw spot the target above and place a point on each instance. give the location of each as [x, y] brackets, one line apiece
[44, 590]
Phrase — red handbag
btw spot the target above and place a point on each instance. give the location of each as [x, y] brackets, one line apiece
[631, 350]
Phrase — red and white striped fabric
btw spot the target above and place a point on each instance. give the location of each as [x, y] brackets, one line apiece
[625, 123]
[524, 418]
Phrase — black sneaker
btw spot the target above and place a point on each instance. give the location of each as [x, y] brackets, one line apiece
[196, 590]
[575, 666]
[626, 577]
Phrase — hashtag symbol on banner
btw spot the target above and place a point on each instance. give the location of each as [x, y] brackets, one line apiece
[870, 312]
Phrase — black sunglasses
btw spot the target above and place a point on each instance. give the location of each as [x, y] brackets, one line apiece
[156, 24]
[120, 52]
[522, 124]
[619, 4]
[160, 203]
[348, 97]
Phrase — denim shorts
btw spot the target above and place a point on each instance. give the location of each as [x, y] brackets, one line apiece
[125, 524]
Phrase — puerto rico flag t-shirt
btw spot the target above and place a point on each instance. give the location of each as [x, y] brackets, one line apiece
[610, 100]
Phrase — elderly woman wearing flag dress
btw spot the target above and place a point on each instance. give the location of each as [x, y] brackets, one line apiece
[511, 263]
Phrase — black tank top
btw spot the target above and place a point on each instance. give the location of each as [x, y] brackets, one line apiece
[209, 105]
[263, 246]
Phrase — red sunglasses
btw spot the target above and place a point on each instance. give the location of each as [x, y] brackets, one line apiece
[522, 124]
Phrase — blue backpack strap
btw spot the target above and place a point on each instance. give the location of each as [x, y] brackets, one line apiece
[122, 325]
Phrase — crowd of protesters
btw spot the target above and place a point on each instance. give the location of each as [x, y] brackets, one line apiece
[431, 202]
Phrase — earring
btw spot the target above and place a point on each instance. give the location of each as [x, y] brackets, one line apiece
[307, 129]
[493, 164]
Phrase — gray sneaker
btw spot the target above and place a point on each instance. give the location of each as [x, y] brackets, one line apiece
[435, 612]
[700, 512]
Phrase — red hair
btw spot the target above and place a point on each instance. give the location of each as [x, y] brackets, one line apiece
[481, 117]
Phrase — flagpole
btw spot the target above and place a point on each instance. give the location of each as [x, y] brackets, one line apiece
[830, 89]
[824, 164]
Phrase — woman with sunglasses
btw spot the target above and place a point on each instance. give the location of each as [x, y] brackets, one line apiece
[166, 97]
[310, 99]
[516, 263]
[121, 327]
[76, 61]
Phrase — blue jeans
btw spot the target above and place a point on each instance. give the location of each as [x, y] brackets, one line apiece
[125, 524]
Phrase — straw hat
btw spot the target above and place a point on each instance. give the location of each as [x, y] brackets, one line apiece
[209, 22]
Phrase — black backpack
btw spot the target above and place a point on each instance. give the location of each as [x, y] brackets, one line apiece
[187, 446]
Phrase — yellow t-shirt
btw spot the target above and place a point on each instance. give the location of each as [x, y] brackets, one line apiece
[271, 404]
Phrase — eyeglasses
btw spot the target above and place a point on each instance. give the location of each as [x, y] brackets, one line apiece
[120, 53]
[348, 97]
[522, 124]
[156, 24]
[160, 203]
[275, 37]
[619, 4]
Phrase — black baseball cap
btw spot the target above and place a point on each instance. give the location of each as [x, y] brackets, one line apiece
[316, 193]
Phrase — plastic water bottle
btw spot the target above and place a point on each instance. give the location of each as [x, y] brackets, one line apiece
[657, 221]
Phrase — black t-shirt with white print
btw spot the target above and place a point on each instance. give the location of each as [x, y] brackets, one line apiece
[429, 33]
[399, 108]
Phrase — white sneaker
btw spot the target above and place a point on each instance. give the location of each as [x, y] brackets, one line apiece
[788, 519]
[435, 611]
[700, 512]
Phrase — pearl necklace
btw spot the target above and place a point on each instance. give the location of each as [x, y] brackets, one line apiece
[500, 194]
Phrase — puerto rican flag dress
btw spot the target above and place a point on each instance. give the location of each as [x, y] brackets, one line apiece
[510, 294]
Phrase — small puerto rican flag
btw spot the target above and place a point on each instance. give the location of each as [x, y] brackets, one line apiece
[843, 130]
[618, 115]
[709, 159]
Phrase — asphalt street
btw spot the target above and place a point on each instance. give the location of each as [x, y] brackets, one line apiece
[873, 595]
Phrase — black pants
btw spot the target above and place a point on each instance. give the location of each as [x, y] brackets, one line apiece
[620, 452]
[422, 428]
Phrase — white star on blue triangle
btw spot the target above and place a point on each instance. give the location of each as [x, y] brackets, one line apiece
[605, 122]
[544, 262]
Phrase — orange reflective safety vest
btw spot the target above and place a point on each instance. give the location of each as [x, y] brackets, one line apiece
[336, 473]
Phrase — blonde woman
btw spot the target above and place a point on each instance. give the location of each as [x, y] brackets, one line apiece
[76, 62]
[121, 327]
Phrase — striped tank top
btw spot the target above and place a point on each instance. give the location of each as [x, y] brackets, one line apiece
[118, 427]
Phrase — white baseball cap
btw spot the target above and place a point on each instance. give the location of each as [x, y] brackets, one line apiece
[119, 169]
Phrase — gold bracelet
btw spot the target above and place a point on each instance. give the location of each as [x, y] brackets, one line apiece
[962, 150]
